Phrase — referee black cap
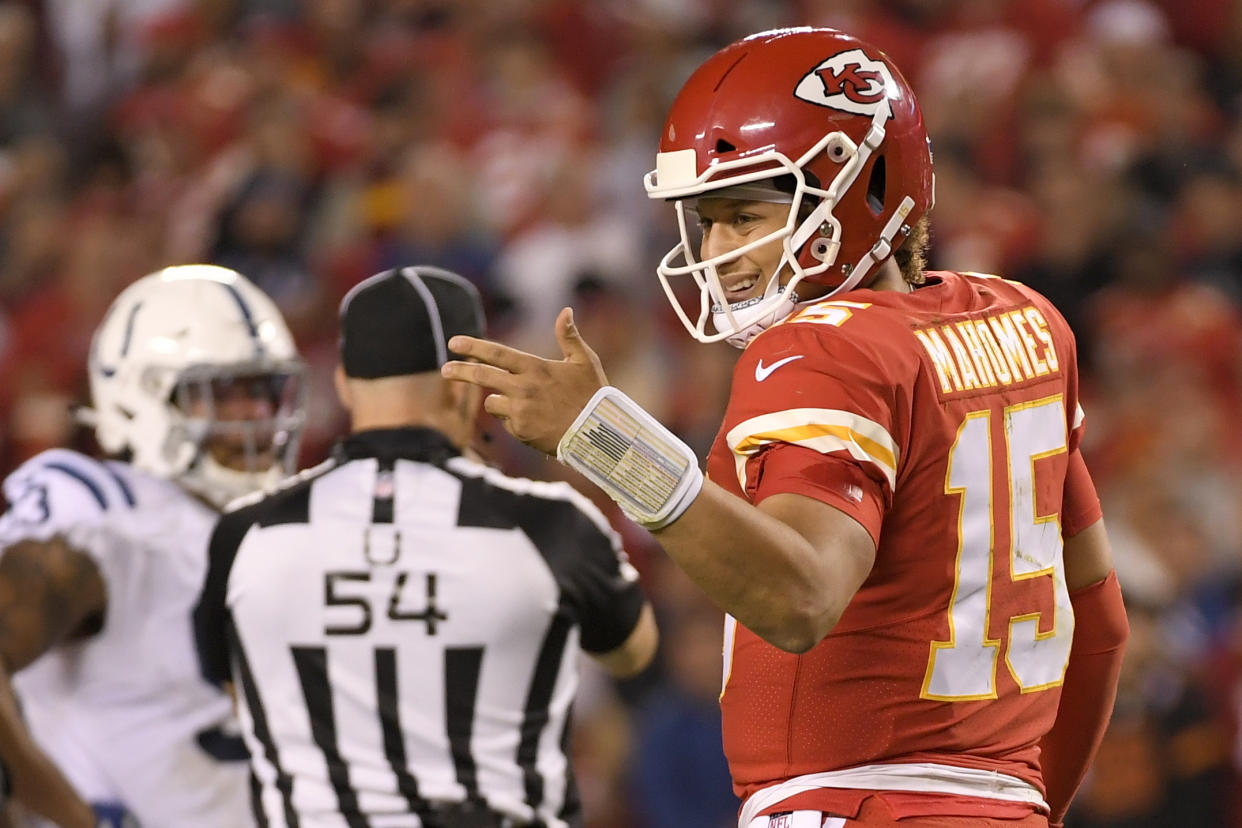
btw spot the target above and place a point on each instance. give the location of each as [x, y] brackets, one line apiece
[400, 321]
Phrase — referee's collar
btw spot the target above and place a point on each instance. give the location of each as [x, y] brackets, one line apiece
[415, 443]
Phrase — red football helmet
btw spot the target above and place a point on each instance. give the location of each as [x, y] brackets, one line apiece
[819, 115]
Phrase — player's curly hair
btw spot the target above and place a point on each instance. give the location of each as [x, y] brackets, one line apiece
[911, 257]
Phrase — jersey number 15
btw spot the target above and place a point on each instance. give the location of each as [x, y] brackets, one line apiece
[963, 668]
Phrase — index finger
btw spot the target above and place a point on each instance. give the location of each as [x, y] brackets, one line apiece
[491, 353]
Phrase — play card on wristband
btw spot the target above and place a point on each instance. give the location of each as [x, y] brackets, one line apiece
[651, 474]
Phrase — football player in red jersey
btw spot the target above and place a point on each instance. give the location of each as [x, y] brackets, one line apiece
[923, 627]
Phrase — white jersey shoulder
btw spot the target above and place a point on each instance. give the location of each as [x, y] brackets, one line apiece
[105, 706]
[108, 509]
[60, 489]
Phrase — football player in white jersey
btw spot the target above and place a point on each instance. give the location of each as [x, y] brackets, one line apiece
[198, 391]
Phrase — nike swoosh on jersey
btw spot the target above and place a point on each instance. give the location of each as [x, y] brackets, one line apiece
[762, 372]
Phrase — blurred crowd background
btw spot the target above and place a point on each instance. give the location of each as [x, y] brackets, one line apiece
[1091, 148]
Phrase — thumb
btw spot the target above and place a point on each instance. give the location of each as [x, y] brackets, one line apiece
[567, 336]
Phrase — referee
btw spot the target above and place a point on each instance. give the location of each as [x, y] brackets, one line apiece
[401, 622]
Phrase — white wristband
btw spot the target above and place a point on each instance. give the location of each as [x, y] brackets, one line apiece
[651, 474]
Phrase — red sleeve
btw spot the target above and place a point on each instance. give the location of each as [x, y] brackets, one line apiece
[1087, 696]
[819, 413]
[1081, 505]
[830, 479]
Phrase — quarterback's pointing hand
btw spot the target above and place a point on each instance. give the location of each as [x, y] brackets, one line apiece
[536, 398]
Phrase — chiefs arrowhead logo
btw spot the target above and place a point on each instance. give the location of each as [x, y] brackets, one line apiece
[849, 81]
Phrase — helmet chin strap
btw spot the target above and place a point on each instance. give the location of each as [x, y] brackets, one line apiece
[748, 319]
[764, 317]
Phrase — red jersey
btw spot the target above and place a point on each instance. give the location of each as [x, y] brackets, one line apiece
[941, 420]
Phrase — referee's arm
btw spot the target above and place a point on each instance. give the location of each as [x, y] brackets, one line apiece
[618, 627]
[211, 614]
[636, 653]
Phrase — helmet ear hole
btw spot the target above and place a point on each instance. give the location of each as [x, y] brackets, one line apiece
[724, 146]
[837, 149]
[821, 247]
[876, 186]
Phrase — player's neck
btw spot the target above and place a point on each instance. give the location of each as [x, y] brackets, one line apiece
[888, 276]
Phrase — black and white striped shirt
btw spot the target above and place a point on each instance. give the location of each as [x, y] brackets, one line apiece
[401, 624]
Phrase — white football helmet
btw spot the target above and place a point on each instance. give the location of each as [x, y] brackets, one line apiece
[173, 349]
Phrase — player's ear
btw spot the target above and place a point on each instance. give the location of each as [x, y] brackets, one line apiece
[341, 382]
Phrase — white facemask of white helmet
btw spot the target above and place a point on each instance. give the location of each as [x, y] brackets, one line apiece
[194, 375]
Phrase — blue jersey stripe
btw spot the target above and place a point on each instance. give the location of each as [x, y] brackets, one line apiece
[126, 491]
[83, 479]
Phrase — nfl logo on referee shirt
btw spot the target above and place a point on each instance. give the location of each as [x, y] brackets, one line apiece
[383, 486]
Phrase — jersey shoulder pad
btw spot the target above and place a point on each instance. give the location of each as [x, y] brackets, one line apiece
[1020, 291]
[59, 488]
[552, 509]
[840, 323]
[546, 490]
[827, 313]
[850, 340]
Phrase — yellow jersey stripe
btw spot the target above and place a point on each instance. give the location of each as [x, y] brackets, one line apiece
[822, 429]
